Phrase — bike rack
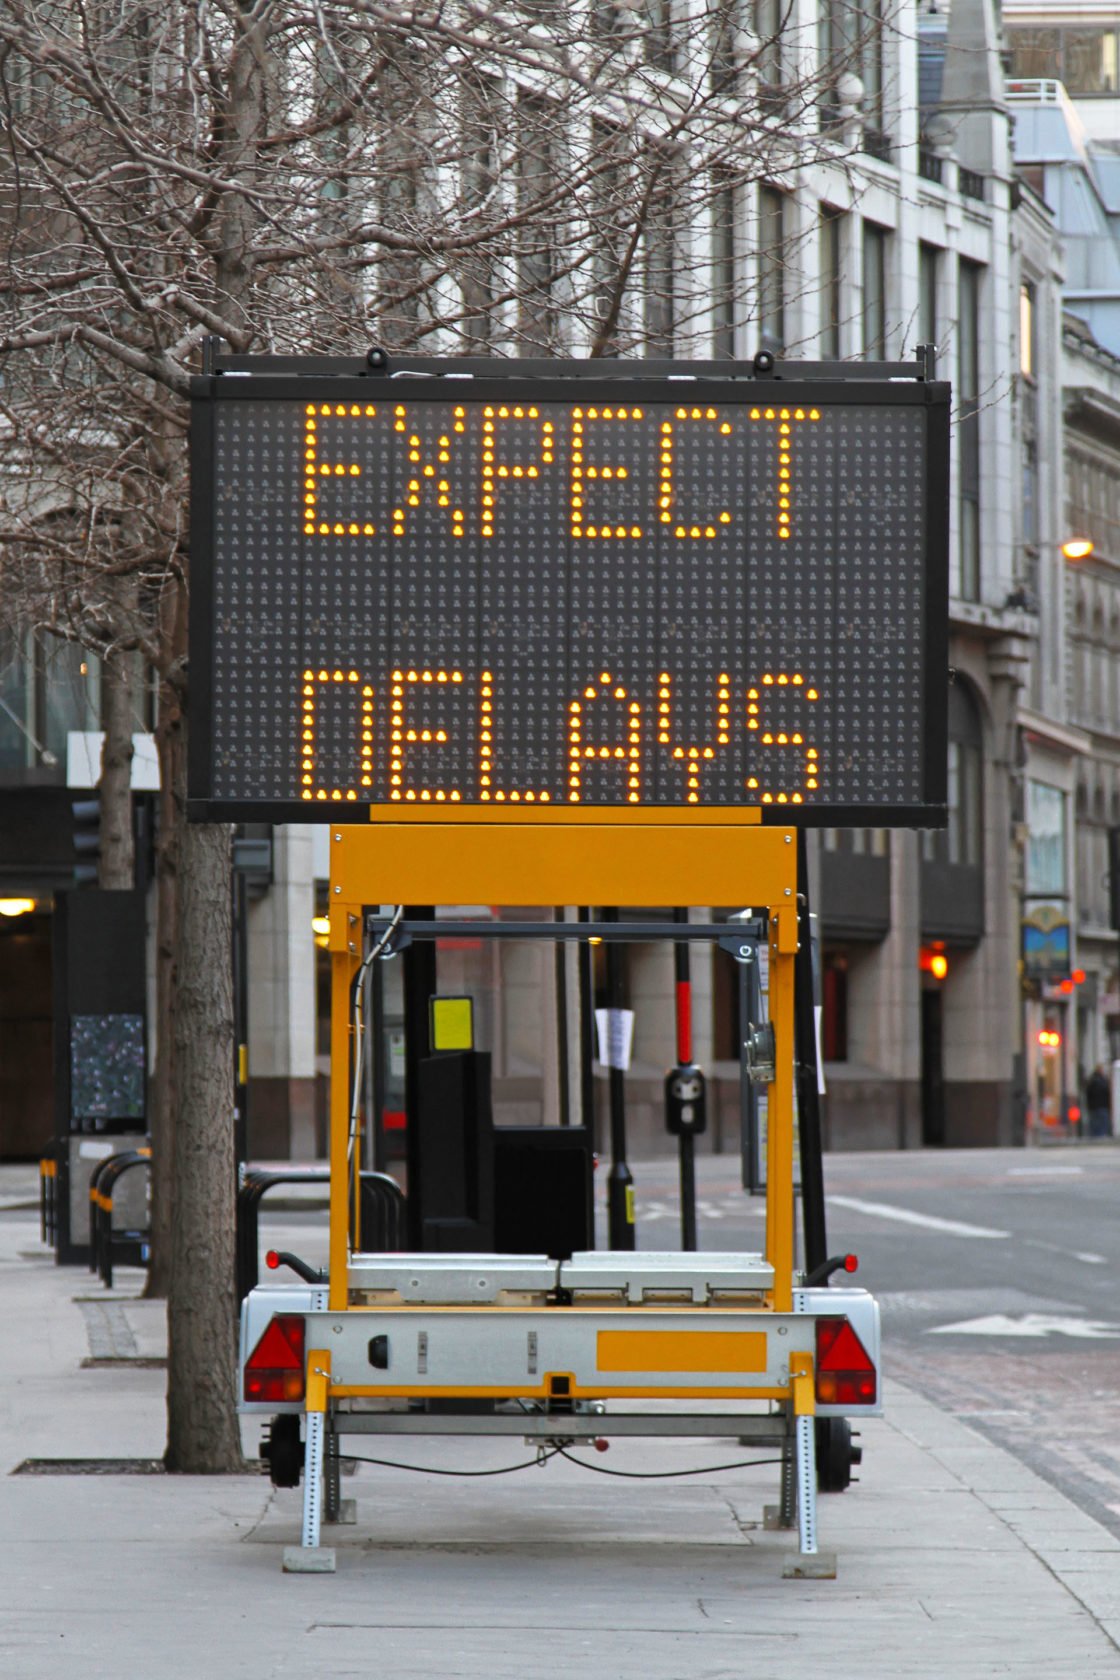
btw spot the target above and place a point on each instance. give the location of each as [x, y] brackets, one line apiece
[130, 1246]
[382, 1214]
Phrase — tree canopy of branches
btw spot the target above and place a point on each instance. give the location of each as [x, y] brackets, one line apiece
[537, 177]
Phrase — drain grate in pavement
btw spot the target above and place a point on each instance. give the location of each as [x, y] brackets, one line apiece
[90, 1467]
[115, 1467]
[115, 1362]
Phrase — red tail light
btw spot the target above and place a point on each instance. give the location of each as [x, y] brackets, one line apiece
[845, 1375]
[276, 1369]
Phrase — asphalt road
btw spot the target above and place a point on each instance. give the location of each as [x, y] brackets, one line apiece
[996, 1273]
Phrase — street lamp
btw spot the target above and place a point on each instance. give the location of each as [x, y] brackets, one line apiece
[1077, 548]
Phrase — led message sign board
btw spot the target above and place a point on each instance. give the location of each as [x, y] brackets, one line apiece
[559, 594]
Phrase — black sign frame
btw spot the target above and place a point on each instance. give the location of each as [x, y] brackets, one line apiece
[320, 380]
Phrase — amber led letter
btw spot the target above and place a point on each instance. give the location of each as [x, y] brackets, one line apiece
[347, 684]
[318, 475]
[628, 727]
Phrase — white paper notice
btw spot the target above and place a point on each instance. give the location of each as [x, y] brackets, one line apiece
[615, 1029]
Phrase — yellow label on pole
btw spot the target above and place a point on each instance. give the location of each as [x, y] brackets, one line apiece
[629, 1204]
[452, 1023]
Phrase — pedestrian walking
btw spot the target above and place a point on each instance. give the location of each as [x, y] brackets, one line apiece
[1098, 1100]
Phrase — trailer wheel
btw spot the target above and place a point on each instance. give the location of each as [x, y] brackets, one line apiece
[836, 1454]
[282, 1450]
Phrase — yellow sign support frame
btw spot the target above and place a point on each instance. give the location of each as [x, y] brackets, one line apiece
[515, 863]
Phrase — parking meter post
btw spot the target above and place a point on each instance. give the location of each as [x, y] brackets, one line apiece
[686, 1144]
[620, 1180]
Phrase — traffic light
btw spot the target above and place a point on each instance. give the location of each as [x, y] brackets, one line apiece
[932, 960]
[87, 840]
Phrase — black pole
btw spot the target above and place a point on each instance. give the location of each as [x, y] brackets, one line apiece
[746, 1090]
[686, 1142]
[586, 1030]
[560, 971]
[376, 1052]
[620, 1180]
[808, 1097]
[419, 976]
[241, 1017]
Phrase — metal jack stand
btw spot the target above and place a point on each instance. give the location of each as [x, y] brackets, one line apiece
[309, 1558]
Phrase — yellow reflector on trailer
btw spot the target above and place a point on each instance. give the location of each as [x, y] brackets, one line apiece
[682, 1350]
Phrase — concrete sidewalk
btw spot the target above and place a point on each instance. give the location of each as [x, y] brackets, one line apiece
[954, 1559]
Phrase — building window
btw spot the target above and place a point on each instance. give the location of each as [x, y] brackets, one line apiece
[16, 692]
[1026, 330]
[968, 432]
[769, 18]
[1030, 489]
[480, 174]
[658, 44]
[540, 238]
[661, 254]
[771, 268]
[723, 268]
[874, 292]
[834, 1007]
[928, 265]
[861, 842]
[961, 841]
[1086, 60]
[852, 41]
[831, 231]
[1046, 840]
[726, 23]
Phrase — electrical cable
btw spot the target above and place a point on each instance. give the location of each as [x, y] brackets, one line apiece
[433, 1470]
[358, 1024]
[562, 1452]
[662, 1475]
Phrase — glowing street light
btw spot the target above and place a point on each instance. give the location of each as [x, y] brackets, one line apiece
[16, 906]
[1077, 548]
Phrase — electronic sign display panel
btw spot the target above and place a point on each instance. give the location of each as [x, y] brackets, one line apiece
[624, 595]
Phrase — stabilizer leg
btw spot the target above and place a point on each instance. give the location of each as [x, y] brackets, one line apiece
[810, 1563]
[309, 1558]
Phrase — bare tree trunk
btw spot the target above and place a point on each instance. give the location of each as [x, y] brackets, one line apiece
[202, 1428]
[117, 869]
[161, 1116]
[171, 746]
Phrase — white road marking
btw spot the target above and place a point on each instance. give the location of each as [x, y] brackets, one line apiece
[1086, 1257]
[906, 1216]
[1050, 1172]
[1030, 1324]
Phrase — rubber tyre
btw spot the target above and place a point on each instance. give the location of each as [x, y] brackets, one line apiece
[282, 1451]
[836, 1454]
